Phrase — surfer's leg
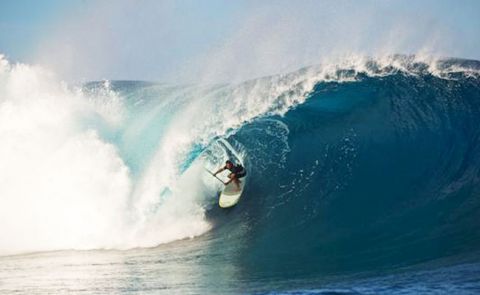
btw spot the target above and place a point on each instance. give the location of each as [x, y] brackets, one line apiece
[237, 183]
[236, 180]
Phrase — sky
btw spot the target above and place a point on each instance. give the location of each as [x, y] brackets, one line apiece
[213, 40]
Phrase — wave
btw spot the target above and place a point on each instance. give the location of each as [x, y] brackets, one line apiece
[378, 172]
[361, 156]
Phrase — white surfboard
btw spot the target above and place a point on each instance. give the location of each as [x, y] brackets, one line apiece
[231, 195]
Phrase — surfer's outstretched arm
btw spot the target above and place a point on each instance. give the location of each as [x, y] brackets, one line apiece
[219, 170]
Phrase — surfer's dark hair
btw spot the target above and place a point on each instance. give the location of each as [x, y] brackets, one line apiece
[228, 162]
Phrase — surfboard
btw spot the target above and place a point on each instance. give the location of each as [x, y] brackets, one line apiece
[230, 195]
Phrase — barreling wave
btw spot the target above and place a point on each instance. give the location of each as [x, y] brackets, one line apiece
[357, 163]
[379, 172]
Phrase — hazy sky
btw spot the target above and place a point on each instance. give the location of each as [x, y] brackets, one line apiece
[178, 41]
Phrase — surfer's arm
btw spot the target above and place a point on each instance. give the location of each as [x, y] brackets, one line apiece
[219, 170]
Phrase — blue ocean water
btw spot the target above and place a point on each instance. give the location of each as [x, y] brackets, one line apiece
[360, 181]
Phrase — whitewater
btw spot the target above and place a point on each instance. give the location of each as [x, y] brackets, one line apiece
[363, 171]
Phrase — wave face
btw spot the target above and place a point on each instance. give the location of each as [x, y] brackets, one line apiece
[383, 171]
[367, 163]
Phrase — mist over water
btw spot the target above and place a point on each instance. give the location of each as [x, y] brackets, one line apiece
[175, 42]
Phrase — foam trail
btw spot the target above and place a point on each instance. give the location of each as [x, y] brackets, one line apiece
[233, 151]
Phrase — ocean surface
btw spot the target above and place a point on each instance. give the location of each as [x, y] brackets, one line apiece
[363, 178]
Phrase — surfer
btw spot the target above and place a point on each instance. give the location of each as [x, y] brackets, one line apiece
[237, 172]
